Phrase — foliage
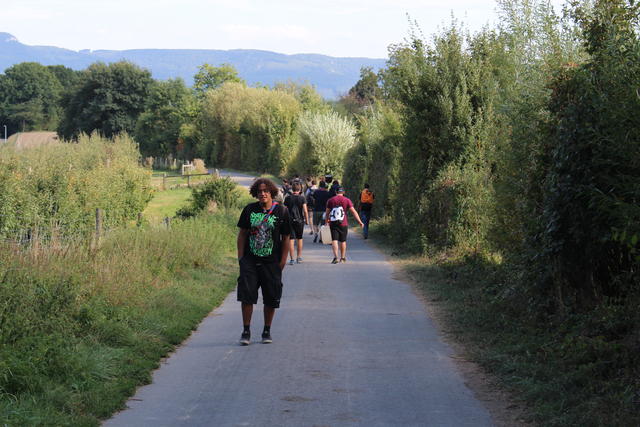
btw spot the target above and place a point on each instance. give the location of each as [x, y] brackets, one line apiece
[222, 192]
[163, 128]
[249, 128]
[82, 329]
[209, 77]
[375, 158]
[305, 93]
[592, 198]
[60, 185]
[29, 97]
[325, 139]
[108, 99]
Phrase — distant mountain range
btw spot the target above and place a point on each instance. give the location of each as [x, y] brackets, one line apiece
[331, 76]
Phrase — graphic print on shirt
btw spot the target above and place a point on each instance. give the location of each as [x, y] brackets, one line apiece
[261, 236]
[336, 214]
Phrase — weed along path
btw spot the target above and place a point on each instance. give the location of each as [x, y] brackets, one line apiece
[352, 347]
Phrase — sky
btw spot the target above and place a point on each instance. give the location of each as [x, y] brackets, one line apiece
[343, 28]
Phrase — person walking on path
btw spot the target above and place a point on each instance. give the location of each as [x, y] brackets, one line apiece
[336, 214]
[296, 203]
[263, 244]
[312, 187]
[366, 205]
[320, 198]
[334, 188]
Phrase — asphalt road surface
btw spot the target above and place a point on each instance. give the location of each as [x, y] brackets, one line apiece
[351, 347]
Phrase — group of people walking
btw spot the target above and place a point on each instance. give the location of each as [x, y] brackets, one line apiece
[271, 231]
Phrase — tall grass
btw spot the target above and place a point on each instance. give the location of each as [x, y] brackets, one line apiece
[62, 184]
[80, 328]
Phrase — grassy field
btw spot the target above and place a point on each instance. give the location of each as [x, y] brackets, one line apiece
[173, 181]
[81, 329]
[165, 204]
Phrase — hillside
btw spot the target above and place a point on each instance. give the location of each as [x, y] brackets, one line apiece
[331, 76]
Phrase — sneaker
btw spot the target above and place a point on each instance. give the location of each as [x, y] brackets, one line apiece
[343, 260]
[266, 338]
[291, 262]
[245, 338]
[298, 260]
[310, 233]
[335, 261]
[315, 238]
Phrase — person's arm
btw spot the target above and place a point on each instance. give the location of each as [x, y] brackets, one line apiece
[306, 214]
[285, 250]
[356, 216]
[242, 241]
[326, 216]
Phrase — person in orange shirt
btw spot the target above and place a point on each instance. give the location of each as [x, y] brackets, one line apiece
[366, 205]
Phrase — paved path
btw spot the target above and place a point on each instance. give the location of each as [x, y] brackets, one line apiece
[352, 347]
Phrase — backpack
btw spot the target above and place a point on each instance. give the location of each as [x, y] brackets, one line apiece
[366, 196]
[310, 200]
[294, 203]
[336, 214]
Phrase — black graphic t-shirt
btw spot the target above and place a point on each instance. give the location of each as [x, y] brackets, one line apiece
[265, 231]
[295, 203]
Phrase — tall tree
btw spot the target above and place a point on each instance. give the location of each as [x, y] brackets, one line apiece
[108, 99]
[29, 96]
[160, 128]
[210, 77]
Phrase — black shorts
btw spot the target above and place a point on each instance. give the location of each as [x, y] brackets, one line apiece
[254, 275]
[297, 229]
[338, 232]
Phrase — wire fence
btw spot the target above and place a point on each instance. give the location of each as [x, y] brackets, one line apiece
[56, 233]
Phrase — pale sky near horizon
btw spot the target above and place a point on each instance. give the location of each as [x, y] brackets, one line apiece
[332, 27]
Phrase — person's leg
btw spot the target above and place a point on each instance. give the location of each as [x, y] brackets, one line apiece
[300, 244]
[269, 312]
[343, 250]
[247, 313]
[247, 295]
[271, 280]
[364, 216]
[334, 246]
[291, 248]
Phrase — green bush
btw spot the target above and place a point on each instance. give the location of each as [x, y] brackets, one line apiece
[59, 186]
[325, 139]
[249, 128]
[222, 192]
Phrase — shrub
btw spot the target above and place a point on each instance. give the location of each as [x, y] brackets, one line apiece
[60, 185]
[222, 192]
[324, 139]
[249, 128]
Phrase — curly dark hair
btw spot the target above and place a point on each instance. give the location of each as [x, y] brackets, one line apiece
[271, 186]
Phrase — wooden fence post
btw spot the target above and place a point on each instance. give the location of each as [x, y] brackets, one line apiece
[167, 222]
[139, 224]
[189, 181]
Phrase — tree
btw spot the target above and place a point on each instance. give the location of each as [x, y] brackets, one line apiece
[305, 93]
[108, 99]
[29, 96]
[160, 128]
[210, 77]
